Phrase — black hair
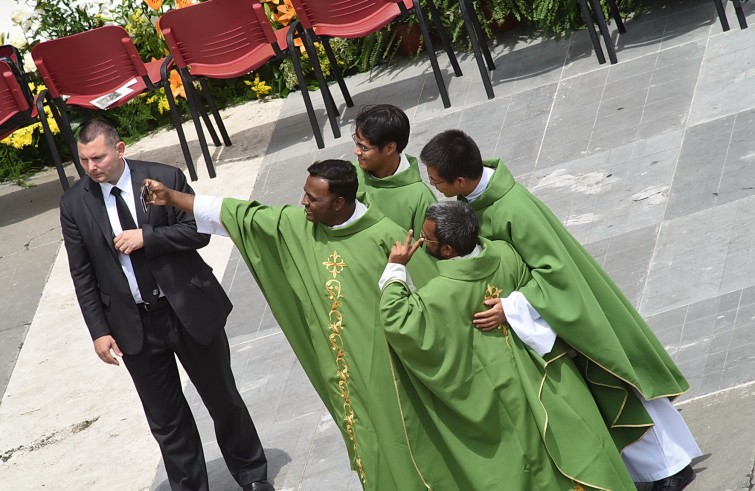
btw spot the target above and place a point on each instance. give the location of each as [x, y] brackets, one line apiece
[455, 224]
[95, 127]
[341, 177]
[453, 154]
[382, 124]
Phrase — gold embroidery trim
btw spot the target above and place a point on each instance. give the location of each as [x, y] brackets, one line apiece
[335, 265]
[492, 292]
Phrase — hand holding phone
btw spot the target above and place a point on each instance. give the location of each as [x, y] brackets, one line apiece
[143, 198]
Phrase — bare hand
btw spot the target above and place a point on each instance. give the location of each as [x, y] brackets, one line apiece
[129, 241]
[491, 318]
[401, 253]
[159, 194]
[105, 346]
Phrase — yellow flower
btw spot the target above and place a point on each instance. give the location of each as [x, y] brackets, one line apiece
[163, 105]
[51, 121]
[177, 85]
[259, 87]
[154, 4]
[183, 3]
[22, 137]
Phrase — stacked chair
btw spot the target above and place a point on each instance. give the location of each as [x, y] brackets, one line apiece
[353, 19]
[82, 68]
[223, 39]
[19, 108]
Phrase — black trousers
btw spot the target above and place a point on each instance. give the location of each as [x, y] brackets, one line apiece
[155, 375]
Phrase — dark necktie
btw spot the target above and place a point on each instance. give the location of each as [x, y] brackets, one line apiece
[144, 278]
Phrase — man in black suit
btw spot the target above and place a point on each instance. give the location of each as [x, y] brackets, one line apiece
[147, 296]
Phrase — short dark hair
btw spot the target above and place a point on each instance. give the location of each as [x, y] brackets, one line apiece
[453, 154]
[382, 124]
[455, 224]
[93, 128]
[341, 177]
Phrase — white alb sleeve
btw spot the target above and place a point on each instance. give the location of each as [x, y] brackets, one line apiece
[395, 271]
[207, 215]
[527, 323]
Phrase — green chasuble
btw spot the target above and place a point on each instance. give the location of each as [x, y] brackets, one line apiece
[582, 305]
[402, 197]
[501, 416]
[322, 286]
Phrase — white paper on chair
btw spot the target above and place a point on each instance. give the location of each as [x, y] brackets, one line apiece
[105, 101]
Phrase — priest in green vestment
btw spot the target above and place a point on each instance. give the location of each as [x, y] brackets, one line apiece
[390, 178]
[502, 417]
[631, 375]
[318, 268]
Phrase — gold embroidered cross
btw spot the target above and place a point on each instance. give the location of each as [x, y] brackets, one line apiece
[492, 292]
[334, 264]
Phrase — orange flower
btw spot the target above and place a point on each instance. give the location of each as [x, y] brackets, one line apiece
[286, 13]
[300, 44]
[176, 85]
[159, 29]
[154, 4]
[183, 3]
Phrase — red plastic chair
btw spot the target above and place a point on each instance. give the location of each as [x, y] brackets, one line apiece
[18, 108]
[223, 39]
[80, 68]
[357, 18]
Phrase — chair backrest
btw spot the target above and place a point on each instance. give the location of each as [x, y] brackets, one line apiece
[215, 32]
[12, 99]
[10, 55]
[90, 63]
[312, 13]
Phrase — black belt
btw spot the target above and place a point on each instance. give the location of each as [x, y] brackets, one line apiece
[161, 303]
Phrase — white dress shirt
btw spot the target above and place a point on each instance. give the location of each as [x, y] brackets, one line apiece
[127, 192]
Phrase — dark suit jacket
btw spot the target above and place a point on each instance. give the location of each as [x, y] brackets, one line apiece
[171, 241]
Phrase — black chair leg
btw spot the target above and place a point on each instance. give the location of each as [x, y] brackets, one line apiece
[476, 41]
[587, 18]
[65, 129]
[51, 140]
[740, 14]
[214, 110]
[441, 31]
[431, 54]
[598, 12]
[305, 95]
[188, 82]
[330, 105]
[193, 99]
[722, 14]
[176, 117]
[482, 38]
[337, 72]
[616, 16]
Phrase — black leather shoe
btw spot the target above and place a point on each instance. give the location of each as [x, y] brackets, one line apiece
[677, 482]
[259, 486]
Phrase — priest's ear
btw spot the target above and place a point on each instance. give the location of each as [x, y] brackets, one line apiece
[447, 251]
[389, 148]
[339, 203]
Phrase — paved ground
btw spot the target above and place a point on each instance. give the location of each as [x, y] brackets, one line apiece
[650, 163]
